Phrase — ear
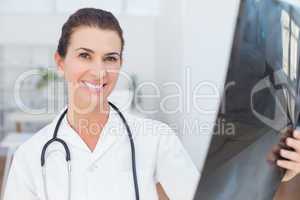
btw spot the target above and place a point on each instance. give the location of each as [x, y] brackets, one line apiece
[59, 63]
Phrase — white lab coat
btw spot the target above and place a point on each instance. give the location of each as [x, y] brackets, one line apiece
[106, 172]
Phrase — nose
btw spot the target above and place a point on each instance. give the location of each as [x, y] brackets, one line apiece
[98, 70]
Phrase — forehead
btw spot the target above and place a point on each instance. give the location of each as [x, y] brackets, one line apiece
[99, 40]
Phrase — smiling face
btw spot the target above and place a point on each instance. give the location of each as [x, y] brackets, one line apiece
[91, 66]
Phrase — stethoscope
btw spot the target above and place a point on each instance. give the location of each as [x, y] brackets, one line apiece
[68, 154]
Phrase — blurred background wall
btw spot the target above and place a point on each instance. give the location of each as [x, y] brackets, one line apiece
[180, 46]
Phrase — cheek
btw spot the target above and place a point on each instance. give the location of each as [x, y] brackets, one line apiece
[112, 80]
[74, 71]
[113, 77]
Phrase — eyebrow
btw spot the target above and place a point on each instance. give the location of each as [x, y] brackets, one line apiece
[91, 51]
[86, 49]
[112, 53]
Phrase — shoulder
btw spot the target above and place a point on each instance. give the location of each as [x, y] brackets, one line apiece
[151, 133]
[33, 146]
[25, 164]
[148, 127]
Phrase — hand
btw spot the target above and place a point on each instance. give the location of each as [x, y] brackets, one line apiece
[292, 162]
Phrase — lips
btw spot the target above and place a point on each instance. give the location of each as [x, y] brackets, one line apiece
[95, 87]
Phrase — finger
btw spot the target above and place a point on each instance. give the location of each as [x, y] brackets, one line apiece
[287, 132]
[295, 144]
[291, 155]
[289, 175]
[289, 165]
[276, 149]
[296, 134]
[272, 157]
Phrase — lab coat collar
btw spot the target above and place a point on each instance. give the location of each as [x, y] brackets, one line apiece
[112, 132]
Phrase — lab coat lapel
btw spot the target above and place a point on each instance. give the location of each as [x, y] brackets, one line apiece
[67, 133]
[70, 136]
[112, 133]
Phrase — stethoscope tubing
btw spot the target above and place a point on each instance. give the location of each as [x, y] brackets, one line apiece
[68, 153]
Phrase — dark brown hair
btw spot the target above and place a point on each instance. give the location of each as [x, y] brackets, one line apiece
[91, 17]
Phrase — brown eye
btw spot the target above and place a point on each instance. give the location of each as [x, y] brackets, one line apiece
[111, 59]
[84, 56]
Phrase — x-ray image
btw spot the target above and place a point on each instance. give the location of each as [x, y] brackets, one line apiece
[259, 101]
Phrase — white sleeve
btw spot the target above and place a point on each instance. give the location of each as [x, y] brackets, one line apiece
[175, 170]
[18, 184]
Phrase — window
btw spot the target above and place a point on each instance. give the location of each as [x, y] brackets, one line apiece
[134, 7]
[28, 6]
[294, 58]
[68, 6]
[285, 22]
[143, 7]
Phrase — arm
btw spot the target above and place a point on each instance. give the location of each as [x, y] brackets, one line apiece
[175, 170]
[161, 193]
[18, 186]
[289, 190]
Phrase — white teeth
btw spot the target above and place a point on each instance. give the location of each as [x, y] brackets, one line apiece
[93, 86]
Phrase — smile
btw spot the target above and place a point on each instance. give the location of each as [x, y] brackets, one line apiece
[94, 87]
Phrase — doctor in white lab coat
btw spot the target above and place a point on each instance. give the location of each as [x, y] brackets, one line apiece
[89, 56]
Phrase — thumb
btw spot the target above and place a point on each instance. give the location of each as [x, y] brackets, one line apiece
[289, 175]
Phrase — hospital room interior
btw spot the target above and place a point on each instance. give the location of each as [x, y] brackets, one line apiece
[205, 68]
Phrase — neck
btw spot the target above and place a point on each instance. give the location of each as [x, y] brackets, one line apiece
[88, 123]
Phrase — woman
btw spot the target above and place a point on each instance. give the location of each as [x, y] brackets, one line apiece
[103, 162]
